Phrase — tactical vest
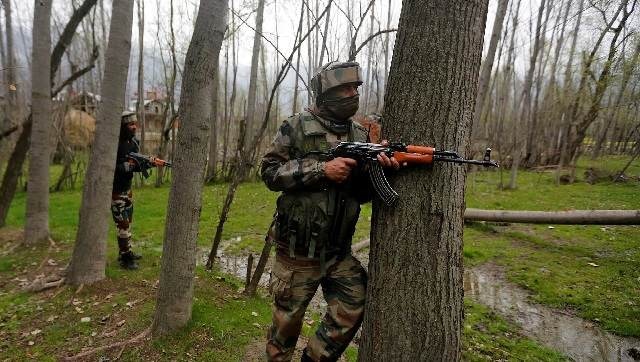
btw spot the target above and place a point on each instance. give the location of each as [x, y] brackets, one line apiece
[317, 222]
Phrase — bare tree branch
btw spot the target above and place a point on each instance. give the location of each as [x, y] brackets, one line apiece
[371, 37]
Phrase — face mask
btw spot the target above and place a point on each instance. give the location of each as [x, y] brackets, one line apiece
[341, 108]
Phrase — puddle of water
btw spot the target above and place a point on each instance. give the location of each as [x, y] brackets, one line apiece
[237, 266]
[578, 339]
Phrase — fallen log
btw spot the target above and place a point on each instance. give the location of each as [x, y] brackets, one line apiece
[573, 217]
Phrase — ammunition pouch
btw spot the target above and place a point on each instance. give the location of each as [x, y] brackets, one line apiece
[313, 224]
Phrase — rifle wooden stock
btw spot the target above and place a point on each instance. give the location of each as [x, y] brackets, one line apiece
[413, 158]
[424, 150]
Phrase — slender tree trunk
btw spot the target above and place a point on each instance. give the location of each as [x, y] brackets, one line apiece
[387, 52]
[12, 94]
[580, 124]
[559, 43]
[368, 85]
[19, 154]
[175, 293]
[416, 247]
[232, 99]
[169, 130]
[324, 38]
[295, 86]
[531, 154]
[225, 118]
[487, 65]
[253, 77]
[628, 69]
[212, 160]
[89, 254]
[565, 128]
[525, 113]
[13, 171]
[37, 220]
[141, 93]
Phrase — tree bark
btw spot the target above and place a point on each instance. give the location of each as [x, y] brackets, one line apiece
[175, 293]
[36, 227]
[416, 247]
[89, 254]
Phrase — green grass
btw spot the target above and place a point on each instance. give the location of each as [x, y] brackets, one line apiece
[551, 263]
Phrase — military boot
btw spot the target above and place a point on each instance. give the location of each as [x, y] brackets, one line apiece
[305, 357]
[127, 261]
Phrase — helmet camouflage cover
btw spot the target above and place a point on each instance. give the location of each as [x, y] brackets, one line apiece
[334, 74]
[128, 117]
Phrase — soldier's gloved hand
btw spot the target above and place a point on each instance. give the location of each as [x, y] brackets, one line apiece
[338, 169]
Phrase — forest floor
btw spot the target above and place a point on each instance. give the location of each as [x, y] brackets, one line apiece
[589, 271]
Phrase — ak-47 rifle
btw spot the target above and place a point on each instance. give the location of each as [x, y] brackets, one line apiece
[366, 155]
[145, 162]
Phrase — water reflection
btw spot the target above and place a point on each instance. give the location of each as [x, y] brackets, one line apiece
[576, 338]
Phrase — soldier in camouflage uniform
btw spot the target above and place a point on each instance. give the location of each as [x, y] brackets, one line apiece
[315, 218]
[121, 197]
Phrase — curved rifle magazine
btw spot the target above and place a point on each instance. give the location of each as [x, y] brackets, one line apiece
[381, 185]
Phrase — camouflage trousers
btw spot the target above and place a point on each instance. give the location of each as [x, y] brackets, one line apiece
[293, 284]
[122, 212]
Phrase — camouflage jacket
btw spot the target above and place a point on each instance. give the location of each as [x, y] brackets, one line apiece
[315, 217]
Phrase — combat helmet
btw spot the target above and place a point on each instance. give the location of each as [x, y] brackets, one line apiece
[334, 74]
[128, 117]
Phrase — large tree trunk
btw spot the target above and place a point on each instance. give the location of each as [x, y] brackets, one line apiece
[175, 293]
[36, 227]
[89, 254]
[417, 245]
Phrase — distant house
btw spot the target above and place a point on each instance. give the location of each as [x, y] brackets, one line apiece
[86, 102]
[154, 112]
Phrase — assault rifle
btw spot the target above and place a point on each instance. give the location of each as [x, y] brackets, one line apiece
[366, 155]
[146, 162]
